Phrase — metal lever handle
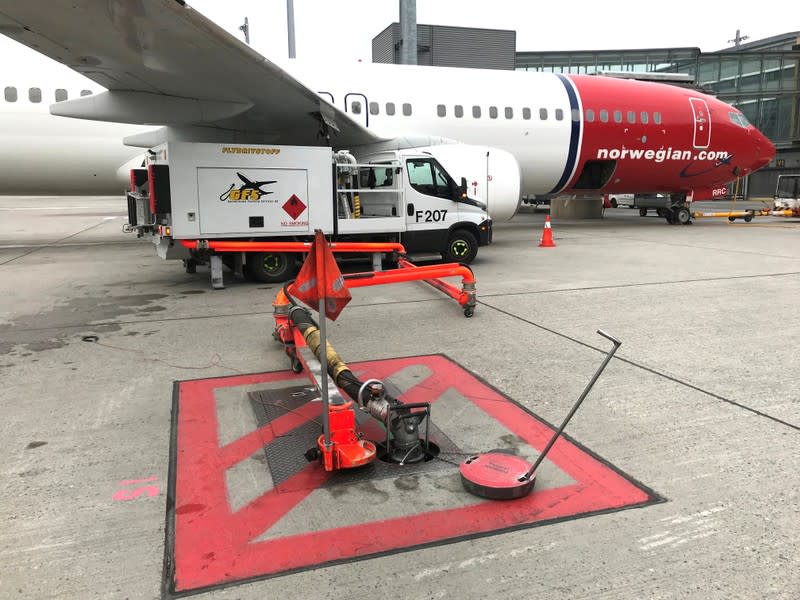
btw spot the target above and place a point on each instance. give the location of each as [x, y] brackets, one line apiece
[553, 439]
[610, 338]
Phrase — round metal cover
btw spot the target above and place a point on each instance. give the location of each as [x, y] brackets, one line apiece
[496, 475]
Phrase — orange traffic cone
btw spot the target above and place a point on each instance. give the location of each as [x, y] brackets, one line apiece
[547, 235]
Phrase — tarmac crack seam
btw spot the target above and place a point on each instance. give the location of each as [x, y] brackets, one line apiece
[680, 245]
[36, 249]
[370, 304]
[648, 369]
[645, 284]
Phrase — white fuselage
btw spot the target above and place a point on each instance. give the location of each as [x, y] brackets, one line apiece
[491, 102]
[42, 155]
[45, 154]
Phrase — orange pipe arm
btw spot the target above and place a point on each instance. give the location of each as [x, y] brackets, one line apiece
[355, 280]
[228, 246]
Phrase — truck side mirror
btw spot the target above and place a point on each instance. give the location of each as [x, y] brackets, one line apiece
[463, 188]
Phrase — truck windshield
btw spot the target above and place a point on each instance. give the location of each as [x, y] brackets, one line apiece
[788, 187]
[428, 177]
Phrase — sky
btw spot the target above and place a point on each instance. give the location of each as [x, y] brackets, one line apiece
[343, 30]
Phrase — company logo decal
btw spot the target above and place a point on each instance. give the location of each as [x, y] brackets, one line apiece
[724, 161]
[249, 191]
[663, 154]
[246, 150]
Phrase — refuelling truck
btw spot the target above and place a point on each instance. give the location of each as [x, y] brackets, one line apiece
[188, 196]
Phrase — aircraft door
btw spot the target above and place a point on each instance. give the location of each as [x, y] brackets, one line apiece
[357, 107]
[702, 123]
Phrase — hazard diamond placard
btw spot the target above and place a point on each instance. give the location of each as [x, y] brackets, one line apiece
[248, 505]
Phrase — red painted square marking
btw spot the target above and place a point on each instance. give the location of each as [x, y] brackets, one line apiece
[209, 545]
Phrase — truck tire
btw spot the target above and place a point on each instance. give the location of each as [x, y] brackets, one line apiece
[683, 216]
[613, 203]
[462, 247]
[642, 212]
[270, 267]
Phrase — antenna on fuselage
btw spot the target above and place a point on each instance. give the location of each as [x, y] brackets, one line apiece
[245, 28]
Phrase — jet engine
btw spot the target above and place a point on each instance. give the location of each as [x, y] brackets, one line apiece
[493, 175]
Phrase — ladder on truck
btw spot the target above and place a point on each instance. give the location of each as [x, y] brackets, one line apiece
[365, 190]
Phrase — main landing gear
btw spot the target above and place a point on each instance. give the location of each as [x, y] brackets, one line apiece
[677, 212]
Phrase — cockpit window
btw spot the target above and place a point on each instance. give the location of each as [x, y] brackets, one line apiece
[739, 119]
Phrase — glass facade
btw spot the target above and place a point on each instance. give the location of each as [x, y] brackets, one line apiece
[763, 84]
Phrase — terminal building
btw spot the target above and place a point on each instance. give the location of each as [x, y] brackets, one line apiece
[761, 78]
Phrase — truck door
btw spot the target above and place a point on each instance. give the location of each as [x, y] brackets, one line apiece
[702, 123]
[356, 106]
[430, 206]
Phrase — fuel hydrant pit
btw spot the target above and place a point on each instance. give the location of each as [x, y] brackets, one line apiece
[407, 456]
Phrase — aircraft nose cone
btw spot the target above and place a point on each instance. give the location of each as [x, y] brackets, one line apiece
[765, 152]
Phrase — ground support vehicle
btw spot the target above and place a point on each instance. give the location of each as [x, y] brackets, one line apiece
[619, 200]
[194, 198]
[787, 196]
[745, 215]
[673, 207]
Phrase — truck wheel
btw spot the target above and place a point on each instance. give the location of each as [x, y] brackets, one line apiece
[683, 216]
[748, 217]
[270, 267]
[642, 212]
[462, 246]
[613, 203]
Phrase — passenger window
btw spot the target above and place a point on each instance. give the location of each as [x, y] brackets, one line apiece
[657, 118]
[427, 177]
[35, 94]
[509, 112]
[543, 114]
[476, 112]
[86, 92]
[631, 116]
[390, 108]
[526, 114]
[406, 109]
[374, 108]
[559, 114]
[441, 110]
[10, 94]
[355, 107]
[604, 116]
[459, 111]
[617, 116]
[644, 117]
[492, 112]
[589, 115]
[61, 95]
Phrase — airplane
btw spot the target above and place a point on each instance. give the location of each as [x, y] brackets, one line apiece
[166, 64]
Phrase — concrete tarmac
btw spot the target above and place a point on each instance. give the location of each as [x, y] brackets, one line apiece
[700, 404]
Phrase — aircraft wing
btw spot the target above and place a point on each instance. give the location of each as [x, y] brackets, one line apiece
[164, 63]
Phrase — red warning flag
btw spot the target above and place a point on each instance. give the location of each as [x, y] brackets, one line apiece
[319, 277]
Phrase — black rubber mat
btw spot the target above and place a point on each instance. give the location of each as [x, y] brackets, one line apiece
[285, 454]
